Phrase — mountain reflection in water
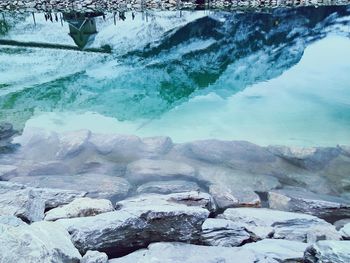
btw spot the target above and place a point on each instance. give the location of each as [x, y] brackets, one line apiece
[148, 76]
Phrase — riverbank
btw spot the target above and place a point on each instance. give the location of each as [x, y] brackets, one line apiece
[117, 194]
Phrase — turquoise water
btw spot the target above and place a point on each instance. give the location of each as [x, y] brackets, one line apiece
[279, 77]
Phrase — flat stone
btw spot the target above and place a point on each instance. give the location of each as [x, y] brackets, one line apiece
[168, 187]
[313, 158]
[11, 221]
[279, 249]
[193, 198]
[38, 242]
[328, 251]
[135, 225]
[146, 170]
[303, 201]
[345, 231]
[108, 187]
[80, 207]
[94, 257]
[180, 252]
[228, 197]
[7, 172]
[268, 223]
[222, 232]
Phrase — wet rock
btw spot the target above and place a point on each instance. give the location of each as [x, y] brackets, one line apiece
[193, 198]
[38, 242]
[7, 172]
[180, 252]
[72, 143]
[303, 201]
[226, 197]
[265, 223]
[80, 207]
[108, 187]
[236, 154]
[94, 257]
[146, 170]
[345, 231]
[222, 232]
[11, 221]
[340, 223]
[328, 251]
[168, 187]
[308, 158]
[21, 202]
[279, 249]
[135, 225]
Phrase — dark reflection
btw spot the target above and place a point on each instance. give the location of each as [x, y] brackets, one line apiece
[221, 52]
[82, 27]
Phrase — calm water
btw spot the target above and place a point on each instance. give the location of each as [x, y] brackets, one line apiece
[277, 77]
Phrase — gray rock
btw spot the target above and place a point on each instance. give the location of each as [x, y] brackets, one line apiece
[94, 257]
[300, 200]
[265, 223]
[146, 170]
[156, 146]
[72, 143]
[308, 158]
[328, 251]
[45, 168]
[7, 172]
[222, 232]
[11, 221]
[193, 198]
[80, 207]
[168, 187]
[180, 253]
[109, 187]
[228, 197]
[38, 242]
[345, 231]
[279, 249]
[24, 203]
[136, 225]
[340, 223]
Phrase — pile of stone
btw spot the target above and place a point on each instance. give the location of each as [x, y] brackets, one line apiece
[85, 197]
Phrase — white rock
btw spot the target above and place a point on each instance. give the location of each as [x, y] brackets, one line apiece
[186, 253]
[282, 225]
[94, 257]
[146, 170]
[345, 231]
[72, 143]
[168, 187]
[279, 249]
[328, 251]
[39, 242]
[80, 207]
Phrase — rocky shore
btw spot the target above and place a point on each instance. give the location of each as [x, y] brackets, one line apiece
[140, 5]
[97, 198]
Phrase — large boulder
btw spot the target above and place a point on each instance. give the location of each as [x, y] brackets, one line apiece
[180, 253]
[109, 187]
[328, 251]
[38, 242]
[22, 202]
[279, 249]
[303, 201]
[94, 257]
[136, 225]
[222, 232]
[267, 223]
[146, 170]
[314, 158]
[168, 187]
[80, 207]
